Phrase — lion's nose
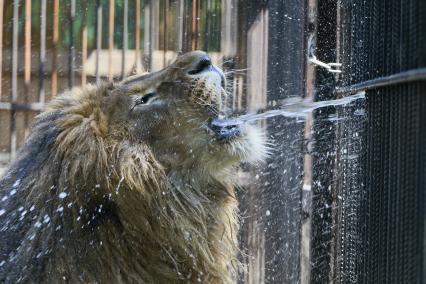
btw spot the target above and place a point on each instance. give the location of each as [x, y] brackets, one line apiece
[204, 64]
[225, 129]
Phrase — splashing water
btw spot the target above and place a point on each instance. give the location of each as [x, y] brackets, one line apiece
[294, 108]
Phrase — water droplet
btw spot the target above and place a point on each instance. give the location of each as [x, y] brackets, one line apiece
[16, 183]
[62, 195]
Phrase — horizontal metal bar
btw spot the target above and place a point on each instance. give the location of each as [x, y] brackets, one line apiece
[22, 106]
[394, 79]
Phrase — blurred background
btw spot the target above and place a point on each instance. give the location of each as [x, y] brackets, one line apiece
[342, 198]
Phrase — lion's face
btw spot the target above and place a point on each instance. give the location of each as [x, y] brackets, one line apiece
[172, 111]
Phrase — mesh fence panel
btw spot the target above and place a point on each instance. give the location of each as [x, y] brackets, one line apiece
[374, 230]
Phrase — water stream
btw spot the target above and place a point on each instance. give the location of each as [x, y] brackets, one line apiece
[293, 107]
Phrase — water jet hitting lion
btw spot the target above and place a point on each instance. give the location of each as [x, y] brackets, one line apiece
[129, 183]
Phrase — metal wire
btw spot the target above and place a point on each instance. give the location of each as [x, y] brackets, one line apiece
[378, 234]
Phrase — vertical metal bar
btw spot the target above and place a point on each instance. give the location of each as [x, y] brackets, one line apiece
[71, 55]
[13, 141]
[41, 93]
[125, 37]
[111, 38]
[98, 38]
[55, 47]
[137, 35]
[1, 44]
[84, 45]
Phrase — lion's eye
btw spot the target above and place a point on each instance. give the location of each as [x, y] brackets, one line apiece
[203, 65]
[146, 98]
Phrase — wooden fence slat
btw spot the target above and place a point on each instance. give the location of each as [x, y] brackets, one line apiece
[13, 140]
[27, 47]
[98, 38]
[71, 55]
[179, 25]
[1, 44]
[195, 23]
[84, 45]
[27, 59]
[41, 95]
[207, 32]
[148, 35]
[55, 38]
[15, 50]
[137, 34]
[125, 37]
[165, 9]
[111, 38]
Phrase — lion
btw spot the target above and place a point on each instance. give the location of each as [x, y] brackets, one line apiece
[129, 182]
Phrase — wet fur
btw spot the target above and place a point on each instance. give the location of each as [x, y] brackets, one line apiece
[86, 201]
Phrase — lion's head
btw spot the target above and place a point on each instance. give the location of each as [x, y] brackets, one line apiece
[173, 112]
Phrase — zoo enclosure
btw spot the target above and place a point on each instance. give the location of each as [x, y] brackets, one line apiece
[343, 199]
[49, 46]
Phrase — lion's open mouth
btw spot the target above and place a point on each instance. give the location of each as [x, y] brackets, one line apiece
[225, 129]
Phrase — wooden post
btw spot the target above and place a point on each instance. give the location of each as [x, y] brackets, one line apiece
[137, 66]
[179, 24]
[1, 44]
[111, 38]
[27, 59]
[165, 9]
[84, 45]
[195, 23]
[55, 47]
[13, 142]
[71, 55]
[41, 94]
[125, 38]
[98, 38]
[147, 36]
[27, 56]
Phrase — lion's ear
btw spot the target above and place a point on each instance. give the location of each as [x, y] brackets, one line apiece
[99, 122]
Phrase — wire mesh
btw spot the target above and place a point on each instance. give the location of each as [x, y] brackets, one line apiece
[375, 232]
